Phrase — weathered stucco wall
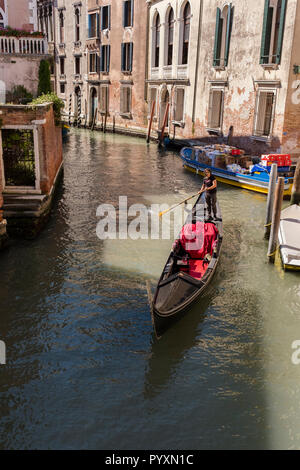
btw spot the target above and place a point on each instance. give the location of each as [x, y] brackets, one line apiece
[243, 72]
[240, 80]
[20, 14]
[16, 70]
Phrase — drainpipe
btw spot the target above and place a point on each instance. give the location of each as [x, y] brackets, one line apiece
[197, 60]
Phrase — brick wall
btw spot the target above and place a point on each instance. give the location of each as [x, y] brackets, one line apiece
[49, 137]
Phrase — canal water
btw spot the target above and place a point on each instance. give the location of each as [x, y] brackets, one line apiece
[84, 370]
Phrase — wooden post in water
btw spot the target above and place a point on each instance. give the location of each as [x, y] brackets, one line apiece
[273, 242]
[270, 202]
[151, 121]
[114, 123]
[295, 199]
[164, 122]
[105, 121]
[94, 119]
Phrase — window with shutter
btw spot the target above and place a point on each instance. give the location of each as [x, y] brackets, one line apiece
[215, 113]
[126, 56]
[179, 105]
[127, 13]
[223, 35]
[273, 31]
[170, 37]
[104, 99]
[105, 58]
[77, 25]
[156, 41]
[125, 104]
[105, 17]
[186, 34]
[265, 108]
[93, 25]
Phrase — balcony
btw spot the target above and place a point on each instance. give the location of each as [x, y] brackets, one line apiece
[154, 73]
[23, 46]
[182, 71]
[168, 71]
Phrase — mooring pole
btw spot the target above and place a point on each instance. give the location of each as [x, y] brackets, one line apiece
[164, 122]
[273, 242]
[105, 121]
[295, 199]
[151, 121]
[270, 201]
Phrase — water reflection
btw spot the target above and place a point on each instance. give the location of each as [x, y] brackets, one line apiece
[83, 370]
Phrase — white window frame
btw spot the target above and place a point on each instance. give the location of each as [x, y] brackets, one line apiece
[255, 136]
[209, 127]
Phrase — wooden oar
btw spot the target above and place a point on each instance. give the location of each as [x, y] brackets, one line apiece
[185, 200]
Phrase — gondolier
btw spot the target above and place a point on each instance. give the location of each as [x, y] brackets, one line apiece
[210, 188]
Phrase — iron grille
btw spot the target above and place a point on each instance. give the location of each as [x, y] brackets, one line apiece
[18, 157]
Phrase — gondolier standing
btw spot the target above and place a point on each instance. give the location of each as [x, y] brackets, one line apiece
[210, 188]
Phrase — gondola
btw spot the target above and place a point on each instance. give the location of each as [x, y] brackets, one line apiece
[189, 268]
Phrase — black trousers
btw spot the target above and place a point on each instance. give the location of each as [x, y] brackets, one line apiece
[211, 201]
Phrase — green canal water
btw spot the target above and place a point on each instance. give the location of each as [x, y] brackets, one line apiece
[84, 370]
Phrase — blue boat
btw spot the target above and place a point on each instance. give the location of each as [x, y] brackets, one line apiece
[257, 179]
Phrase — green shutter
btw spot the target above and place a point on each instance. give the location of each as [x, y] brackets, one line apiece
[281, 31]
[264, 32]
[228, 33]
[217, 38]
[130, 56]
[108, 59]
[122, 57]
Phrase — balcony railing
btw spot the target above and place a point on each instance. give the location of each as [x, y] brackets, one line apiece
[24, 46]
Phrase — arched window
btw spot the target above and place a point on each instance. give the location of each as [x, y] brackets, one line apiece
[186, 33]
[156, 41]
[273, 31]
[77, 25]
[170, 36]
[61, 28]
[222, 35]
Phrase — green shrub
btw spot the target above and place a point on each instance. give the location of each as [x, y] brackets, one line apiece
[58, 104]
[19, 95]
[44, 78]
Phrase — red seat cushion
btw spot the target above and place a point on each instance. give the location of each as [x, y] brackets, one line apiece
[198, 239]
[197, 268]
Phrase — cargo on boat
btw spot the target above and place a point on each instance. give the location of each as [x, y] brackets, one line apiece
[231, 166]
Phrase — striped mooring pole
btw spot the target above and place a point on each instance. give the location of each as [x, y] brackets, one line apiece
[79, 110]
[70, 107]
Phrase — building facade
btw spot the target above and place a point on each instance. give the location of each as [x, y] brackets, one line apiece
[174, 42]
[71, 58]
[101, 63]
[21, 51]
[18, 14]
[240, 65]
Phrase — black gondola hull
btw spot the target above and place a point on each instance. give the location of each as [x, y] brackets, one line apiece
[178, 292]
